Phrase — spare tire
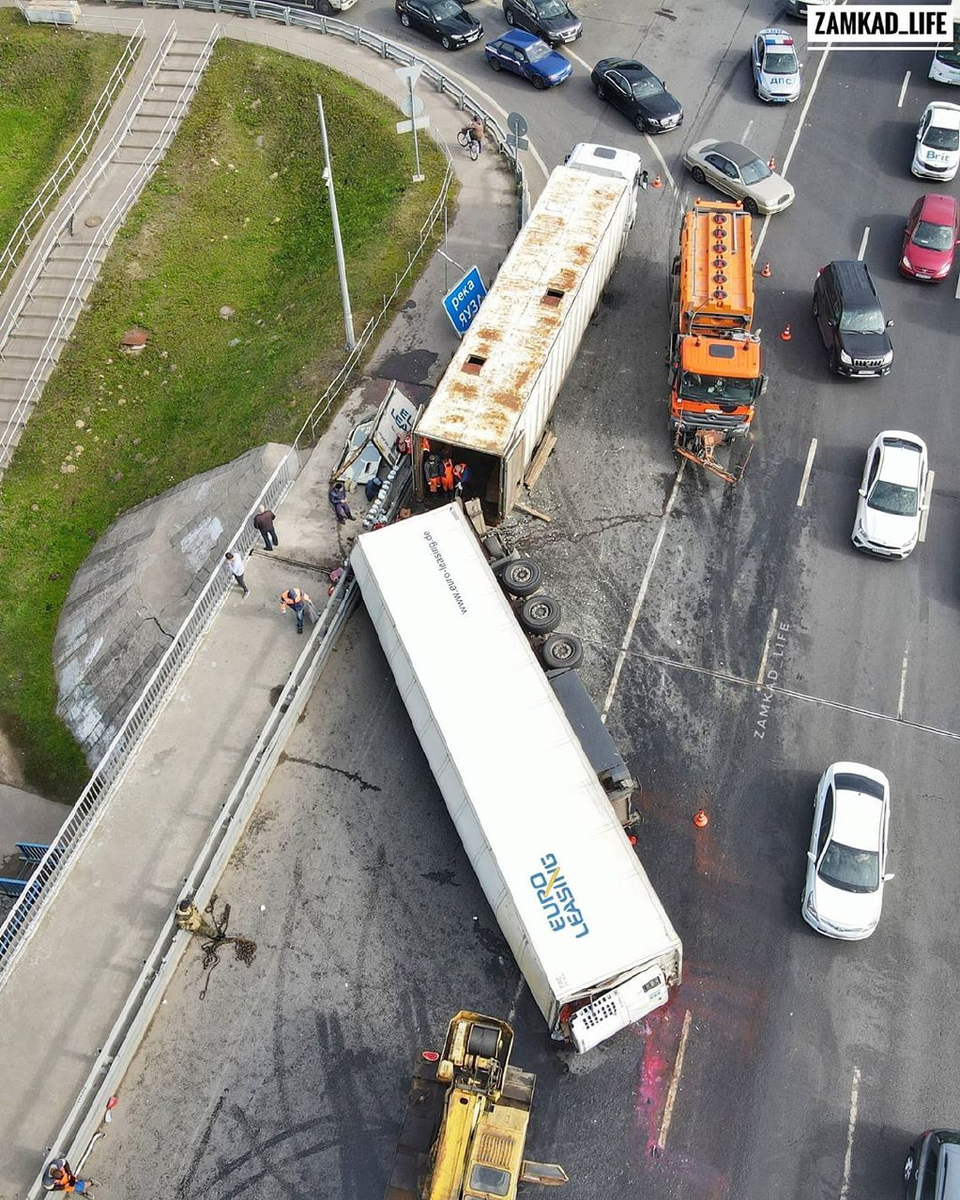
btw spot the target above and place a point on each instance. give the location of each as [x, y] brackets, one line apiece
[562, 650]
[540, 614]
[521, 576]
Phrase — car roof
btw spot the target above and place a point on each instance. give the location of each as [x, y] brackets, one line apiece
[853, 275]
[775, 37]
[939, 208]
[735, 151]
[858, 819]
[519, 38]
[946, 116]
[900, 462]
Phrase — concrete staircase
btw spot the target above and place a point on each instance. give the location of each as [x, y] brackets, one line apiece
[48, 291]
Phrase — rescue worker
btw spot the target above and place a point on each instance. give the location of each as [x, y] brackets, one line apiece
[405, 444]
[294, 598]
[461, 476]
[446, 473]
[338, 502]
[60, 1178]
[432, 472]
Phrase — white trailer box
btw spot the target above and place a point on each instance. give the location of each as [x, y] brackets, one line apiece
[496, 396]
[568, 891]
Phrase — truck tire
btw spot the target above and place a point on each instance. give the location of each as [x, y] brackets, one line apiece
[324, 8]
[562, 650]
[483, 1041]
[521, 577]
[540, 614]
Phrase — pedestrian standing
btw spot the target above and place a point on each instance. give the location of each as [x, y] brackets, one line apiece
[293, 598]
[236, 567]
[338, 502]
[432, 473]
[461, 477]
[446, 473]
[263, 523]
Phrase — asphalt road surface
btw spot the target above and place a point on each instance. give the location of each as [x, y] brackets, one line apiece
[759, 647]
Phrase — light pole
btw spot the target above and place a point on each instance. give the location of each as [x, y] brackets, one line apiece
[341, 268]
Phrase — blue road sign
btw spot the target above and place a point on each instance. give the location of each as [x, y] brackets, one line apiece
[462, 302]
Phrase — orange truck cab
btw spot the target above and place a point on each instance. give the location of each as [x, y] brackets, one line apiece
[715, 367]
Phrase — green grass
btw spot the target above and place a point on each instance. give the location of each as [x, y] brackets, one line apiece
[237, 215]
[39, 123]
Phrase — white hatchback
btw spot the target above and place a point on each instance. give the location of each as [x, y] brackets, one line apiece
[847, 859]
[893, 495]
[937, 155]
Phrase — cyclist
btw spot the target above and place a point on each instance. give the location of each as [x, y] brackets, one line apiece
[475, 130]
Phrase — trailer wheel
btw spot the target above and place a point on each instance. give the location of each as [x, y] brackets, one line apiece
[562, 650]
[483, 1041]
[521, 577]
[540, 614]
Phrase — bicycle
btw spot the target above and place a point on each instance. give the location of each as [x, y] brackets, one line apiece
[471, 144]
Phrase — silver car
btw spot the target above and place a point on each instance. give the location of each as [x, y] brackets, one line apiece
[734, 169]
[775, 67]
[893, 495]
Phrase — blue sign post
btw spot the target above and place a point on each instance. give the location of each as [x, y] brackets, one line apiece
[462, 302]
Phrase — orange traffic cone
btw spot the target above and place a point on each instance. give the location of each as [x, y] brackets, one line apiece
[765, 271]
[786, 335]
[772, 163]
[657, 181]
[700, 819]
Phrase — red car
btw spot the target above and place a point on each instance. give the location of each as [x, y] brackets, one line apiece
[930, 237]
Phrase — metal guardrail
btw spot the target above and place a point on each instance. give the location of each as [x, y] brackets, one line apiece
[51, 191]
[42, 886]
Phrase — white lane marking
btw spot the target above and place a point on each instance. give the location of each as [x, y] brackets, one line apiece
[863, 241]
[674, 1083]
[766, 648]
[956, 294]
[662, 161]
[641, 595]
[903, 90]
[806, 472]
[568, 53]
[925, 515]
[903, 681]
[851, 1128]
[746, 132]
[854, 709]
[796, 136]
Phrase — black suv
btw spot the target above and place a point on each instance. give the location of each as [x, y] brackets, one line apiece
[932, 1169]
[551, 20]
[847, 309]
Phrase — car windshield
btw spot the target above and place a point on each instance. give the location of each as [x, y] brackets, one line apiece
[894, 498]
[645, 86]
[490, 1180]
[715, 389]
[933, 237]
[938, 138]
[552, 8]
[862, 320]
[536, 51]
[755, 171]
[849, 869]
[780, 63]
[445, 8]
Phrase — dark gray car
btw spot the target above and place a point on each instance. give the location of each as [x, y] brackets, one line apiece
[552, 20]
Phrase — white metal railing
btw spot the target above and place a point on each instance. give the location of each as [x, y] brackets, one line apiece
[82, 189]
[89, 267]
[42, 885]
[52, 190]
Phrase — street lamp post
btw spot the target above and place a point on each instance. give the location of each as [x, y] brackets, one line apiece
[341, 267]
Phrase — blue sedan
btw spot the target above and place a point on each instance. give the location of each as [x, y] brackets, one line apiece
[528, 57]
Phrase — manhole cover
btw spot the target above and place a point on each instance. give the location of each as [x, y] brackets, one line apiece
[93, 222]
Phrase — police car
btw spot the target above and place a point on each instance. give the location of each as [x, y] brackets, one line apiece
[776, 71]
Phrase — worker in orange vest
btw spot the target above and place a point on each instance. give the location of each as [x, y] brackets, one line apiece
[294, 598]
[446, 473]
[59, 1178]
[432, 473]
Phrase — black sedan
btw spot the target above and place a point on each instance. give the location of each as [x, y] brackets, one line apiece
[637, 92]
[551, 20]
[445, 20]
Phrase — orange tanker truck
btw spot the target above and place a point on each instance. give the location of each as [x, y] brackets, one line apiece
[715, 375]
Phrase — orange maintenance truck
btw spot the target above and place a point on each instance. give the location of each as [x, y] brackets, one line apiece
[715, 376]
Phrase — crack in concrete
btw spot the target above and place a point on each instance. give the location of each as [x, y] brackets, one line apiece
[351, 775]
[156, 621]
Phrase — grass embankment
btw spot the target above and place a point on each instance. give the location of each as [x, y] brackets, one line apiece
[39, 122]
[236, 216]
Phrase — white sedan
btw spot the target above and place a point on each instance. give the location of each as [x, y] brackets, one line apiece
[843, 894]
[893, 495]
[937, 155]
[775, 67]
